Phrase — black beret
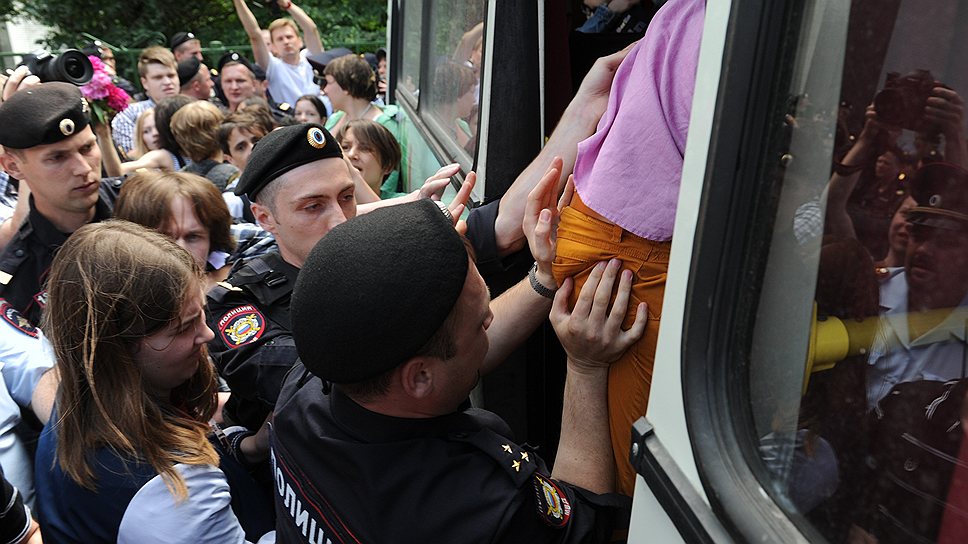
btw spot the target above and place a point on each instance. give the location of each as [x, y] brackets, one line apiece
[234, 56]
[187, 69]
[320, 60]
[402, 265]
[180, 38]
[43, 114]
[282, 150]
[941, 192]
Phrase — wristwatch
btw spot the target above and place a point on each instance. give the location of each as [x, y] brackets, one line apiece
[537, 285]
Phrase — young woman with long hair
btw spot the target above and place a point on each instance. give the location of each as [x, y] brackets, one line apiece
[128, 455]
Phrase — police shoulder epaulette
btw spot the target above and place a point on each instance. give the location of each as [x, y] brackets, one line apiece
[517, 462]
[221, 289]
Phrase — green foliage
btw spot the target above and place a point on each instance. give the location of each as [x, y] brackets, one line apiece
[135, 24]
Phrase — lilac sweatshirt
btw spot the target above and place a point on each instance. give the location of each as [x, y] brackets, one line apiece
[629, 170]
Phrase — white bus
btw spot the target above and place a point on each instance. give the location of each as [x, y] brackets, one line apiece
[764, 422]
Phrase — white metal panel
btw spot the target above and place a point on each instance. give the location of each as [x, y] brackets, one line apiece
[666, 411]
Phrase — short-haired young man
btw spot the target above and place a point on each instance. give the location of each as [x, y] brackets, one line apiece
[237, 79]
[185, 45]
[49, 145]
[159, 78]
[289, 74]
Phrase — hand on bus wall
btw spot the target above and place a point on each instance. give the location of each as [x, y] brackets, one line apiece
[592, 333]
[577, 123]
[540, 223]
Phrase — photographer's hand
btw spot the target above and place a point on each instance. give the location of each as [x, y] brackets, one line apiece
[945, 109]
[21, 78]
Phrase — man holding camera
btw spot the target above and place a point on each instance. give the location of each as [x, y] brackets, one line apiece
[159, 78]
[49, 145]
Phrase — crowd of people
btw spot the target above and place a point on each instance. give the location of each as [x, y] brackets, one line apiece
[228, 316]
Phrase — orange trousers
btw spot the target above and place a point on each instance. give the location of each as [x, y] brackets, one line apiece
[584, 239]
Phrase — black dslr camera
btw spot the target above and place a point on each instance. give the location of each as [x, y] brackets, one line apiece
[901, 102]
[71, 66]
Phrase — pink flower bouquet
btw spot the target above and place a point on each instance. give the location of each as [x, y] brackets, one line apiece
[105, 98]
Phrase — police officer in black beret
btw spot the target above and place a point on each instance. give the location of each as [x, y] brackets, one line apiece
[301, 187]
[244, 81]
[933, 285]
[249, 313]
[49, 145]
[373, 440]
[185, 45]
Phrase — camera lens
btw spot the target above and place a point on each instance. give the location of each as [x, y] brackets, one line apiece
[73, 67]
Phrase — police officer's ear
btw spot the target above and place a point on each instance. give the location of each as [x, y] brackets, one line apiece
[263, 216]
[11, 162]
[416, 377]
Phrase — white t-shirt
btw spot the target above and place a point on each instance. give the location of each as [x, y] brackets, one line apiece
[287, 82]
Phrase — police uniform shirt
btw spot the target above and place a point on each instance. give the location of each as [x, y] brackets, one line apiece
[25, 355]
[939, 354]
[457, 478]
[253, 347]
[25, 262]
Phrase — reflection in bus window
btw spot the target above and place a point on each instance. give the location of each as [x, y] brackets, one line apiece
[859, 364]
[457, 50]
[409, 74]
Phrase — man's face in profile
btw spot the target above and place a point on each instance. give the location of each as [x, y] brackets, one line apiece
[937, 264]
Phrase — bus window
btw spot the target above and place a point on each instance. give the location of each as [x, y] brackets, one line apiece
[858, 365]
[412, 27]
[454, 62]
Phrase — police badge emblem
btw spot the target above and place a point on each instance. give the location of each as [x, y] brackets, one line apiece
[19, 322]
[553, 506]
[241, 325]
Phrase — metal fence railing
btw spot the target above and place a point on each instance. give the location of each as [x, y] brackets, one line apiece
[127, 58]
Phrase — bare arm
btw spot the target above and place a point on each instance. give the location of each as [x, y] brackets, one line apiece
[842, 185]
[432, 188]
[109, 154]
[466, 45]
[520, 309]
[310, 33]
[42, 400]
[252, 30]
[158, 159]
[577, 123]
[593, 338]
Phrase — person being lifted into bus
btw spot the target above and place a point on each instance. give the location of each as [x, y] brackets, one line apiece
[289, 74]
[627, 181]
[394, 414]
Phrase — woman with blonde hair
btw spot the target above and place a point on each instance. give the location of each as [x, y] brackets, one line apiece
[145, 134]
[128, 455]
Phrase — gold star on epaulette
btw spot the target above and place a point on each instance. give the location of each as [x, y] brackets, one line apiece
[506, 448]
[284, 106]
[516, 465]
[524, 457]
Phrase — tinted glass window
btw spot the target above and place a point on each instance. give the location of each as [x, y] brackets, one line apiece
[455, 62]
[410, 59]
[858, 364]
